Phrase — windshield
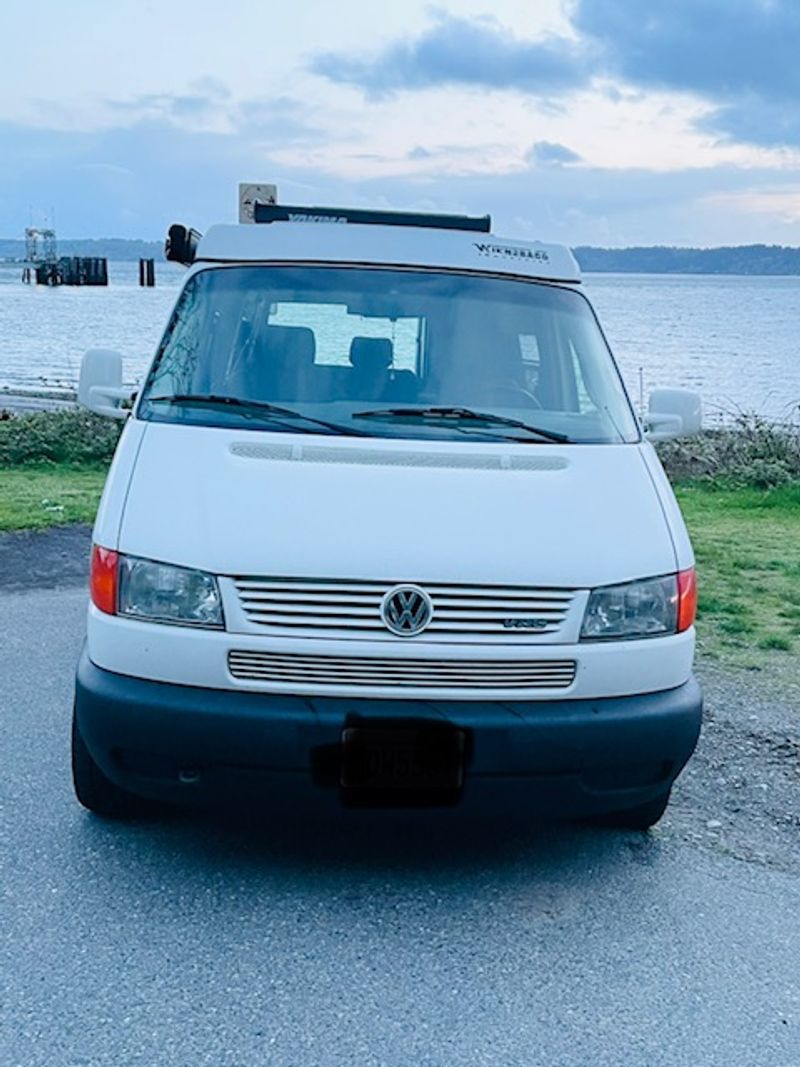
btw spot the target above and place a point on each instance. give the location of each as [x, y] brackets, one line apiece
[387, 353]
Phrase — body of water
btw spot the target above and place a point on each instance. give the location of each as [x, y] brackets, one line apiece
[44, 332]
[736, 340]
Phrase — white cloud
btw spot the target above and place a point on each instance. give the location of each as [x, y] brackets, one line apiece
[183, 99]
[780, 204]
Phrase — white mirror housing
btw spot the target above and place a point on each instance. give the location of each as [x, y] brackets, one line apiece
[100, 387]
[673, 413]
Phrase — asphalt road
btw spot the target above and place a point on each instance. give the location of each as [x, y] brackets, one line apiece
[380, 940]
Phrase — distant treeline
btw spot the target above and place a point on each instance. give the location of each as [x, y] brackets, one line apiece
[739, 259]
[659, 259]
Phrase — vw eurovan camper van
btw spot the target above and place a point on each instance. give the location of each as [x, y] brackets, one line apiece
[383, 527]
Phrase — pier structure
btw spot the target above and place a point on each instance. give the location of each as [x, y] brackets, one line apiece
[43, 266]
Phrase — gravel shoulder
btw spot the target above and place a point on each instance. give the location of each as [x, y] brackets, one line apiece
[740, 794]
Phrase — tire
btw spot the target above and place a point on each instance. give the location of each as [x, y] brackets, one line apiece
[97, 792]
[639, 818]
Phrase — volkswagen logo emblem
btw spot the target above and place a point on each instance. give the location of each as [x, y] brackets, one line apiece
[406, 610]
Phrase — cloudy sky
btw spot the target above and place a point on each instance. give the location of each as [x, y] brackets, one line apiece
[610, 122]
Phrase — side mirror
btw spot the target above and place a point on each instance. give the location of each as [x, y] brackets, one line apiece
[181, 244]
[673, 413]
[100, 387]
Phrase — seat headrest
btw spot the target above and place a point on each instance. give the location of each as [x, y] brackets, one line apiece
[371, 353]
[291, 343]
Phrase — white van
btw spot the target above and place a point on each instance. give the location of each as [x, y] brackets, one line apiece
[384, 528]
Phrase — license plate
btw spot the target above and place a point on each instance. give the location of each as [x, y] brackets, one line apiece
[396, 762]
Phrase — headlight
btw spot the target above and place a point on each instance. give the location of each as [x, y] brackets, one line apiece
[159, 592]
[647, 608]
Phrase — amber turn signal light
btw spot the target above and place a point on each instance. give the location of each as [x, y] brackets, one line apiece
[687, 598]
[103, 579]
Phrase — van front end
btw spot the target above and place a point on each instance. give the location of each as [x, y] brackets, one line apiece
[383, 528]
[340, 689]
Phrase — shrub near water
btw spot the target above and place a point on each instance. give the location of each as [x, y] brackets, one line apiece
[751, 453]
[75, 437]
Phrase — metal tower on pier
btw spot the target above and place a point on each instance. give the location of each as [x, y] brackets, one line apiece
[40, 245]
[43, 267]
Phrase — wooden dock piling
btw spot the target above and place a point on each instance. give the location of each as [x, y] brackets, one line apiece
[147, 273]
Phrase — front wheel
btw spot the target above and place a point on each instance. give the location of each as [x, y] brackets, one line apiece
[641, 817]
[96, 791]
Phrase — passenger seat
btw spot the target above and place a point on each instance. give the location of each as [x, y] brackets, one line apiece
[370, 358]
[281, 365]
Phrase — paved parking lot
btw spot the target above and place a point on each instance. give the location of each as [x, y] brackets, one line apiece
[380, 939]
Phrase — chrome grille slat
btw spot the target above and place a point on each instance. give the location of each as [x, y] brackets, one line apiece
[334, 587]
[335, 623]
[378, 627]
[379, 671]
[345, 611]
[328, 606]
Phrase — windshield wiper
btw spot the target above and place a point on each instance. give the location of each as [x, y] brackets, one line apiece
[458, 414]
[252, 409]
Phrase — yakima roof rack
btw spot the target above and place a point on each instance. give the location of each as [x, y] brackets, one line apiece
[263, 213]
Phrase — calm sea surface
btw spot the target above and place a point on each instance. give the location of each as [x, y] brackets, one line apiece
[736, 340]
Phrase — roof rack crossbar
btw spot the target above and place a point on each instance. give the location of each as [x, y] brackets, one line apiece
[285, 213]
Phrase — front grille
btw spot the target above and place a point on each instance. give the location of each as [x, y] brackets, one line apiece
[295, 668]
[317, 607]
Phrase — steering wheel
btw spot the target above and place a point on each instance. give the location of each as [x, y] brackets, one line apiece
[514, 395]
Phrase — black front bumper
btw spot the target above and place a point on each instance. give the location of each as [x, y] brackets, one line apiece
[549, 758]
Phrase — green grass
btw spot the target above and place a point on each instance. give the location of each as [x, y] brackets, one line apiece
[34, 497]
[747, 544]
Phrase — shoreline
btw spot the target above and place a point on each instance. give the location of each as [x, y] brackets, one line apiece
[22, 401]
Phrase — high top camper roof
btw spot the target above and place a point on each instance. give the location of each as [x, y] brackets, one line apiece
[286, 234]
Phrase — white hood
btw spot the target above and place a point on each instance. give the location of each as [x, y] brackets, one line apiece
[247, 502]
